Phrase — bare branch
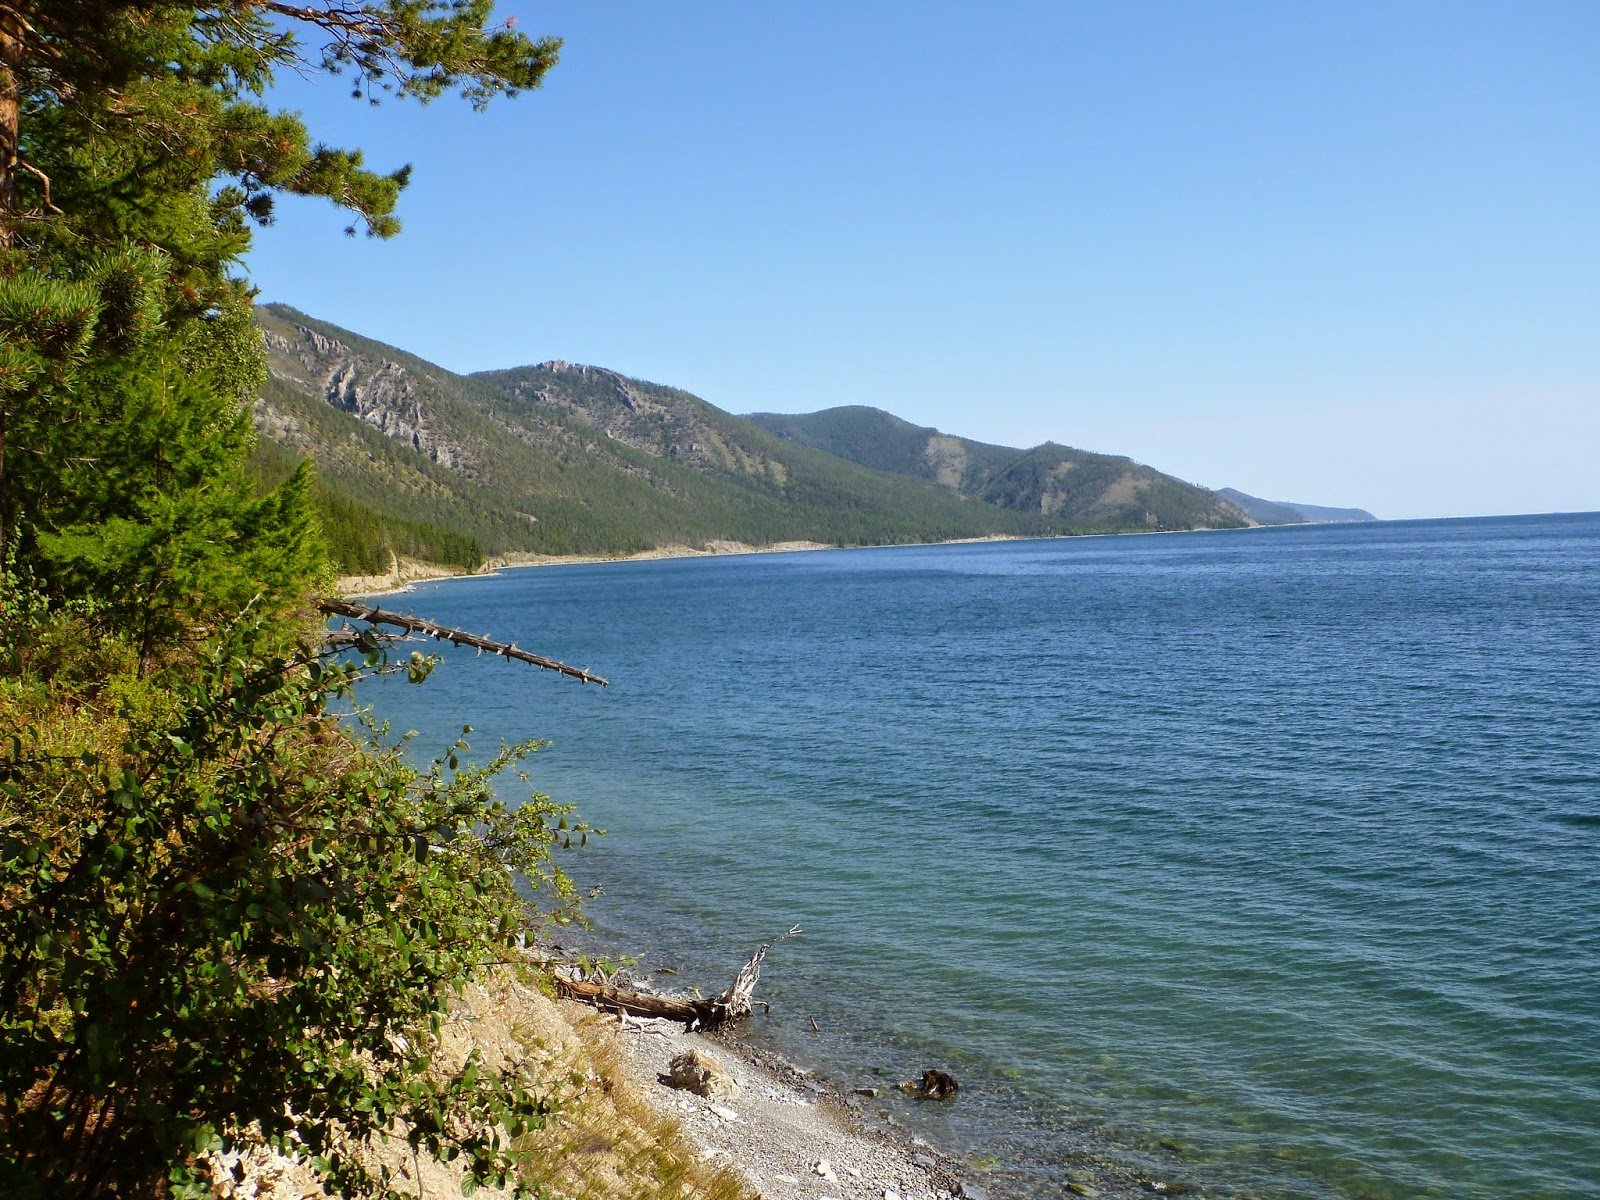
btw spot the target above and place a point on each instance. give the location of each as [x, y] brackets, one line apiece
[372, 614]
[43, 179]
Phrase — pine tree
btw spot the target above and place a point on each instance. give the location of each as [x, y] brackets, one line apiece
[219, 912]
[136, 150]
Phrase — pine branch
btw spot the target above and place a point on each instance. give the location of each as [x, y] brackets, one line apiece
[372, 614]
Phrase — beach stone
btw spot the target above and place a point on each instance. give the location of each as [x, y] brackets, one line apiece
[971, 1191]
[1082, 1189]
[701, 1074]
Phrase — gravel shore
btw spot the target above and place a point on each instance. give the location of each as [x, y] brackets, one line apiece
[789, 1136]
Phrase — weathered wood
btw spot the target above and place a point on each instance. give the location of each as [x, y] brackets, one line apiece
[698, 1014]
[374, 615]
[731, 1005]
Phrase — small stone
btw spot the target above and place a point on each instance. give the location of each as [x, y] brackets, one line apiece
[869, 1091]
[787, 1178]
[856, 1171]
[890, 1194]
[1082, 1189]
[823, 1168]
[727, 1114]
[971, 1191]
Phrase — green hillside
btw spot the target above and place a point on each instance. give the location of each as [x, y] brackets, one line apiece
[559, 460]
[1073, 489]
[564, 459]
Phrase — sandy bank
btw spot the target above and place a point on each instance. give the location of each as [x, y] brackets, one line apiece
[402, 573]
[408, 571]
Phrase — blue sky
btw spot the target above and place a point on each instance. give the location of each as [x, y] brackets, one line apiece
[1344, 254]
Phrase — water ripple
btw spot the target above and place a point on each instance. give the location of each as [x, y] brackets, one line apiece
[1270, 860]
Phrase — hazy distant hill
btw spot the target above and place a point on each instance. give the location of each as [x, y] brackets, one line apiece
[1284, 512]
[567, 459]
[1075, 486]
[1332, 516]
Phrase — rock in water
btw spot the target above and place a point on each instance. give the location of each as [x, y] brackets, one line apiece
[937, 1085]
[702, 1075]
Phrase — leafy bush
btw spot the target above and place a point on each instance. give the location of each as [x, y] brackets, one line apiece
[218, 908]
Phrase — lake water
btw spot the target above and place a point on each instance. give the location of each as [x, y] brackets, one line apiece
[1266, 862]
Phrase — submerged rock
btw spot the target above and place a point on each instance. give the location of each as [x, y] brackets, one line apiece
[935, 1085]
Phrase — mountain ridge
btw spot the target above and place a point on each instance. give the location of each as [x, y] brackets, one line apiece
[567, 459]
[1049, 479]
[1288, 512]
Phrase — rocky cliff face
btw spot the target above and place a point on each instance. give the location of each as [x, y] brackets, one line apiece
[662, 422]
[377, 391]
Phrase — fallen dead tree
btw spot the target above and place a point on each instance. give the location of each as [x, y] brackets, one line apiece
[374, 615]
[695, 1012]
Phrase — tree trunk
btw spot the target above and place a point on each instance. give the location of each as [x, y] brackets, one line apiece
[11, 32]
[696, 1014]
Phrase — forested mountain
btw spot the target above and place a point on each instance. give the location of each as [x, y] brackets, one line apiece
[558, 460]
[1072, 487]
[566, 459]
[1285, 512]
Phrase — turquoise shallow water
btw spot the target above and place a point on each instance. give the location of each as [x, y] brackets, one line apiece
[1267, 861]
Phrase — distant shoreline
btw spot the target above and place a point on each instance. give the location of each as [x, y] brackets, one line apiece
[407, 572]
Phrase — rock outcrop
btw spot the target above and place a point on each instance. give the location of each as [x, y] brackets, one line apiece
[697, 1072]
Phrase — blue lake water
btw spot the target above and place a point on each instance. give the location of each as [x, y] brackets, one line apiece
[1267, 861]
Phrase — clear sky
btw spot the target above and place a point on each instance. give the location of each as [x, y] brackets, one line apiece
[1336, 253]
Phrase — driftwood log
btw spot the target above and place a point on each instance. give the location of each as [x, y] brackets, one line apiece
[695, 1013]
[373, 615]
